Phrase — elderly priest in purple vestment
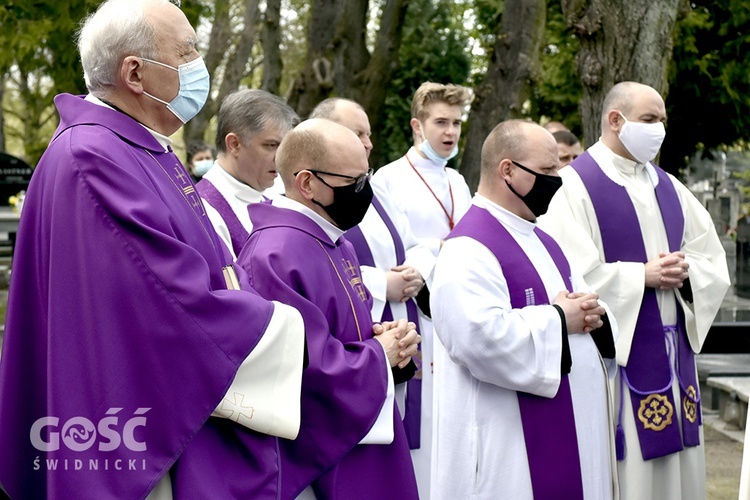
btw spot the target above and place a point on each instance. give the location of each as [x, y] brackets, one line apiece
[128, 326]
[351, 443]
[522, 405]
[649, 247]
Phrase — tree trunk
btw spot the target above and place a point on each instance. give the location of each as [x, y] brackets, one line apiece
[371, 85]
[507, 83]
[621, 40]
[350, 55]
[271, 40]
[2, 113]
[236, 61]
[315, 81]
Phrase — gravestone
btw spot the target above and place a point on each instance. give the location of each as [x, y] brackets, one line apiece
[15, 175]
[742, 285]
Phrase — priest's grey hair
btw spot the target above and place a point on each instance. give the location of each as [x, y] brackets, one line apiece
[116, 30]
[248, 112]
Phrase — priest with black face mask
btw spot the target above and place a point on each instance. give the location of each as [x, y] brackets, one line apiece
[519, 378]
[351, 442]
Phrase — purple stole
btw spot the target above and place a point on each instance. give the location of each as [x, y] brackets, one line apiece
[548, 423]
[648, 373]
[413, 410]
[237, 231]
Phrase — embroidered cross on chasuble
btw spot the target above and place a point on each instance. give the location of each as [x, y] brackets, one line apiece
[183, 183]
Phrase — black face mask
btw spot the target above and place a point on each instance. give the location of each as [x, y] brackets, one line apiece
[349, 205]
[541, 193]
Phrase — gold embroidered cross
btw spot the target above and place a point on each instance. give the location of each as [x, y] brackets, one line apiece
[180, 175]
[689, 406]
[349, 268]
[655, 412]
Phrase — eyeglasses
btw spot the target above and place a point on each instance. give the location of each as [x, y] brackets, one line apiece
[359, 181]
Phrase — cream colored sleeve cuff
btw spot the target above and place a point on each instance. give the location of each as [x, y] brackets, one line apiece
[265, 393]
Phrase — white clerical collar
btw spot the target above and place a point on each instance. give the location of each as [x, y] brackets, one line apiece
[165, 141]
[614, 165]
[242, 191]
[504, 216]
[419, 161]
[331, 231]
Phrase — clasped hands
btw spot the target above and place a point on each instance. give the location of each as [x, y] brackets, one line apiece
[403, 283]
[667, 271]
[582, 310]
[399, 339]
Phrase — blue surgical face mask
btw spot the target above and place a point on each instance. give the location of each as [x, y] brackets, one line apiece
[200, 167]
[433, 155]
[195, 83]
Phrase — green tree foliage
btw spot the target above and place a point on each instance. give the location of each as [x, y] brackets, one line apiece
[443, 40]
[709, 94]
[434, 48]
[38, 53]
[557, 96]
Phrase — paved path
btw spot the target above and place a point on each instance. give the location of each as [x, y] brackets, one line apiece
[723, 458]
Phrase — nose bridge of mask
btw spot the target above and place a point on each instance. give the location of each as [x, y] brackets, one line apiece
[188, 73]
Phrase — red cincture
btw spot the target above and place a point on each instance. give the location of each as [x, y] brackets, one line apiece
[450, 190]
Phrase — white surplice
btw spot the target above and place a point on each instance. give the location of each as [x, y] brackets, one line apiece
[485, 351]
[238, 195]
[572, 221]
[410, 195]
[406, 197]
[383, 250]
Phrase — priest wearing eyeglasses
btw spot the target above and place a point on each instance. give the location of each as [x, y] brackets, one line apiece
[351, 442]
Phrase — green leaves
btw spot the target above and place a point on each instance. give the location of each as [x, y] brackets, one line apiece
[709, 97]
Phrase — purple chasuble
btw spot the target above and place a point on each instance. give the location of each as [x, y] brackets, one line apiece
[413, 410]
[121, 337]
[648, 373]
[237, 231]
[548, 423]
[290, 259]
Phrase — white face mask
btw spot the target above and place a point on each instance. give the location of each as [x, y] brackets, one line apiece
[642, 140]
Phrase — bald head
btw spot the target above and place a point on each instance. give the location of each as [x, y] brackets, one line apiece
[509, 139]
[553, 127]
[510, 144]
[631, 101]
[347, 113]
[626, 97]
[319, 144]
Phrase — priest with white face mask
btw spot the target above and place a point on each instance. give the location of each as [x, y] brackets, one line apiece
[650, 249]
